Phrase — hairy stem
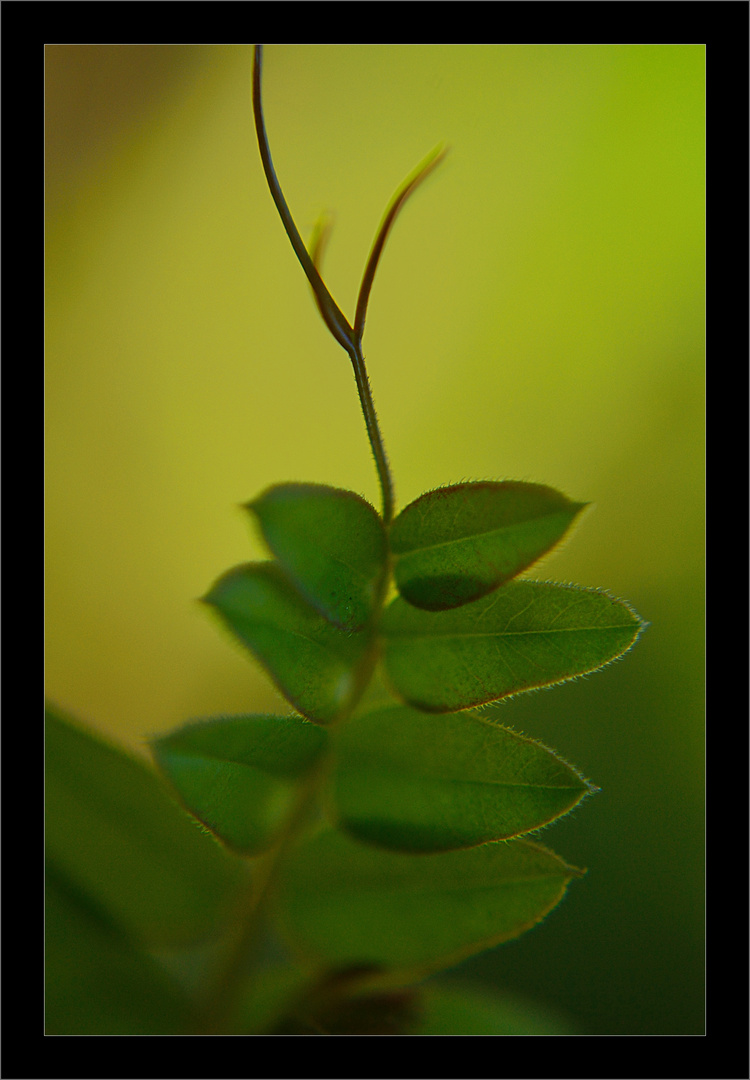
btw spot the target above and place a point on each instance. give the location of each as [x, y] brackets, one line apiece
[373, 433]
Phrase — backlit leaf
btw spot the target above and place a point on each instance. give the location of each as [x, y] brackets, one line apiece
[343, 903]
[524, 635]
[458, 543]
[410, 781]
[311, 661]
[332, 545]
[238, 774]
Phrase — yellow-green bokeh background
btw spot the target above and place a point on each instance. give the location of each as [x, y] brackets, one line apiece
[538, 314]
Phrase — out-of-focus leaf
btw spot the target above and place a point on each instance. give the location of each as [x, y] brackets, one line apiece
[114, 832]
[410, 781]
[458, 543]
[238, 774]
[524, 635]
[468, 1010]
[332, 545]
[268, 997]
[311, 661]
[346, 903]
[97, 982]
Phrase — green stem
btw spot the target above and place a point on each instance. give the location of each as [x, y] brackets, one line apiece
[373, 431]
[218, 1012]
[231, 979]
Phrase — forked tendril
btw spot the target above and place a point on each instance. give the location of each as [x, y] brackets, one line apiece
[348, 336]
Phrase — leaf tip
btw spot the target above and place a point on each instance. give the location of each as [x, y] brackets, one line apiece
[208, 601]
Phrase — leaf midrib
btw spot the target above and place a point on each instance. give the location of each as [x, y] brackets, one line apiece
[416, 777]
[506, 633]
[468, 536]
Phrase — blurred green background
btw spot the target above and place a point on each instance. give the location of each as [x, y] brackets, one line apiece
[538, 315]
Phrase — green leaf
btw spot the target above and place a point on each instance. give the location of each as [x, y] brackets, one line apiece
[408, 781]
[458, 543]
[97, 982]
[347, 903]
[473, 1010]
[525, 635]
[238, 774]
[331, 543]
[312, 662]
[115, 833]
[270, 992]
